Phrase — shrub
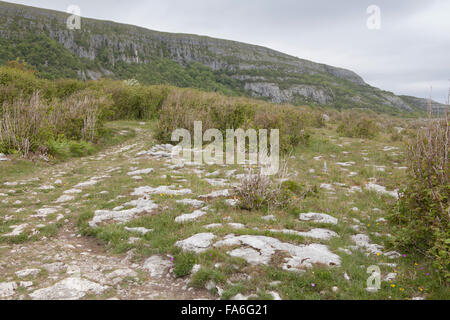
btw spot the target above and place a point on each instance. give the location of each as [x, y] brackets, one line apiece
[422, 212]
[257, 191]
[183, 264]
[185, 106]
[28, 125]
[136, 101]
[357, 125]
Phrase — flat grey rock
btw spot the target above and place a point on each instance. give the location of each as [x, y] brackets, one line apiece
[262, 248]
[197, 243]
[157, 266]
[72, 288]
[318, 217]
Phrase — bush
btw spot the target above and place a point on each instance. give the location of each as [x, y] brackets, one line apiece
[136, 101]
[257, 191]
[63, 148]
[183, 264]
[185, 106]
[356, 125]
[28, 125]
[422, 212]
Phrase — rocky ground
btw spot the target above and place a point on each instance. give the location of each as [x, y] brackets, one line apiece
[126, 223]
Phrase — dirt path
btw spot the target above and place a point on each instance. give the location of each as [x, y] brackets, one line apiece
[67, 265]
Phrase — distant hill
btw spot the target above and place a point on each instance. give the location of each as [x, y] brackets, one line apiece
[108, 49]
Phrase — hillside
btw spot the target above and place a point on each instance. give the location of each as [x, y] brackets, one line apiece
[108, 49]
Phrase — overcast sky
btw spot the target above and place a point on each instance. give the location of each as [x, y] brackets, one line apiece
[408, 55]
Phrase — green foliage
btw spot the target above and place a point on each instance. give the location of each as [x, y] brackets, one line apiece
[183, 264]
[63, 148]
[200, 278]
[421, 215]
[356, 125]
[183, 107]
[137, 102]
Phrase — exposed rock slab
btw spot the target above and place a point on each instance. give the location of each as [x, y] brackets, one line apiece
[72, 288]
[318, 217]
[259, 250]
[197, 243]
[157, 266]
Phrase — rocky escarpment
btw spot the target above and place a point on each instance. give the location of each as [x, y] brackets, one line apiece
[108, 49]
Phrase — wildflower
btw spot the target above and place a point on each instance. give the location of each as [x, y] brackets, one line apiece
[392, 285]
[420, 289]
[378, 254]
[401, 289]
[313, 284]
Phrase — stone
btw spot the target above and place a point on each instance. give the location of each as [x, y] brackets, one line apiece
[157, 266]
[317, 233]
[3, 157]
[165, 190]
[196, 268]
[44, 212]
[363, 241]
[91, 182]
[216, 194]
[17, 230]
[141, 205]
[392, 254]
[46, 187]
[390, 277]
[27, 272]
[192, 202]
[7, 289]
[259, 249]
[318, 217]
[327, 186]
[139, 172]
[346, 164]
[231, 202]
[190, 216]
[72, 191]
[140, 230]
[269, 218]
[72, 288]
[55, 267]
[217, 182]
[26, 284]
[241, 297]
[382, 190]
[197, 243]
[213, 226]
[210, 285]
[122, 273]
[213, 174]
[236, 225]
[64, 198]
[275, 295]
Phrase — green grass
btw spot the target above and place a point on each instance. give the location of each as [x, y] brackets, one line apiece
[231, 274]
